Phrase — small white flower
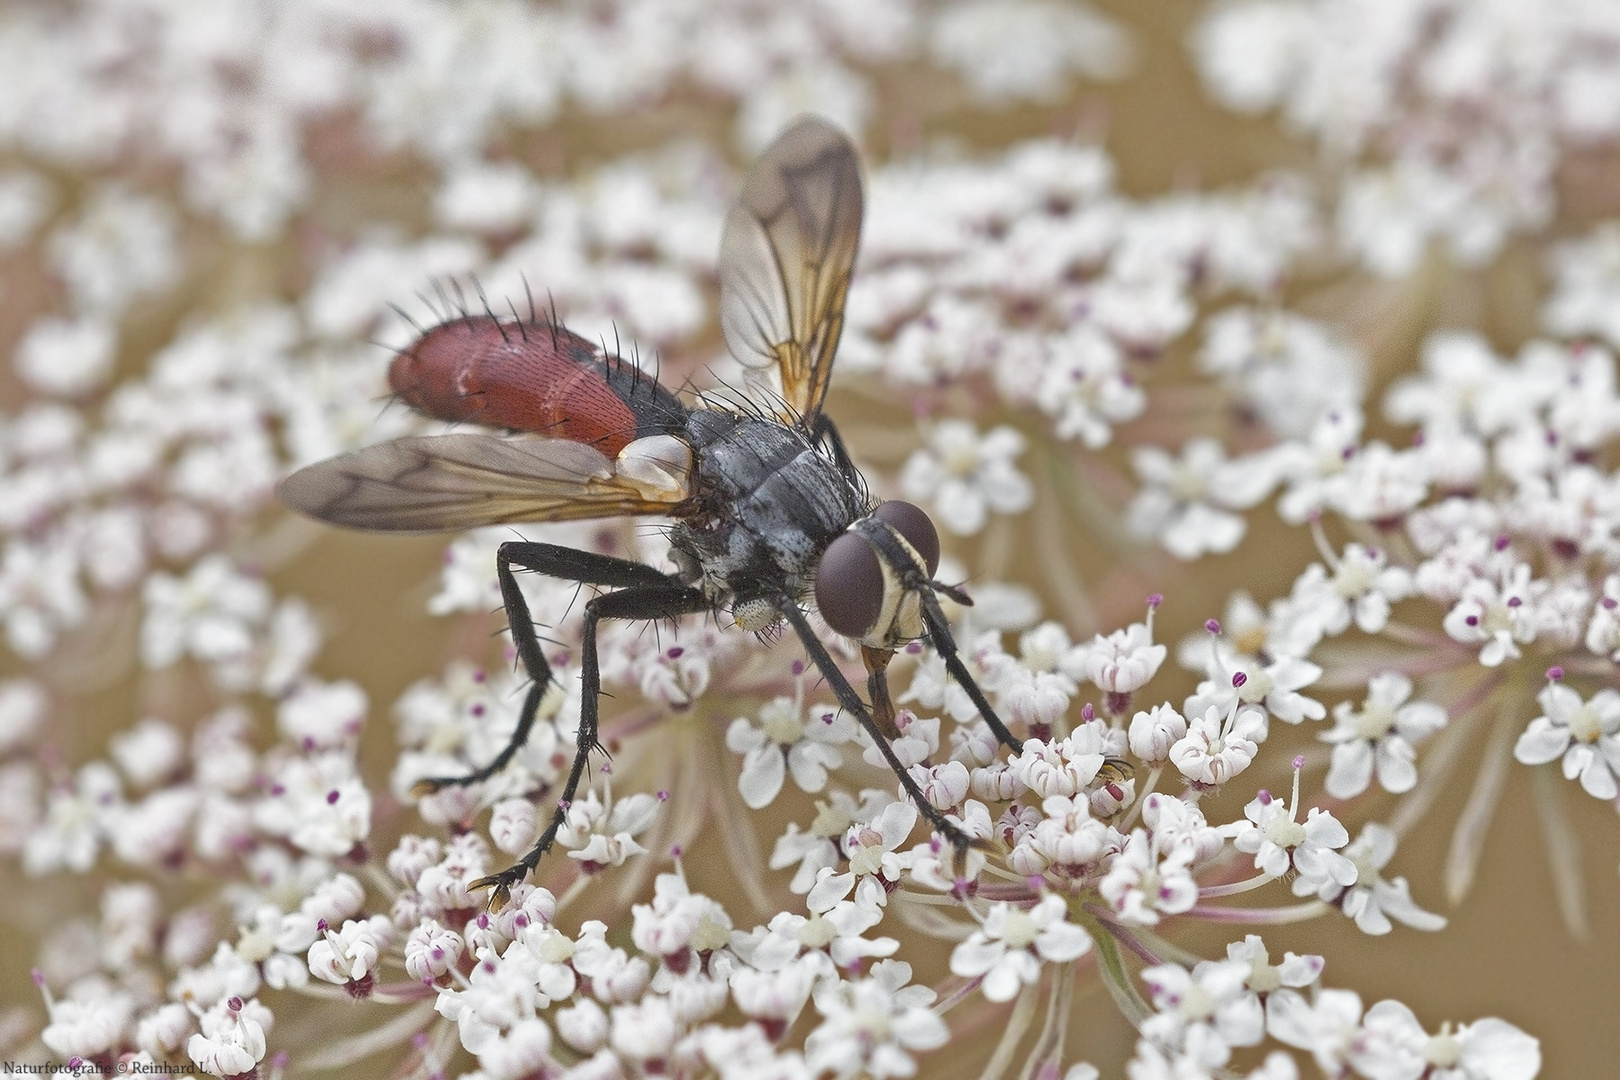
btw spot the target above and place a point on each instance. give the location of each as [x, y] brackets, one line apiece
[430, 951]
[1382, 734]
[1060, 766]
[322, 716]
[1360, 591]
[870, 1026]
[874, 859]
[1327, 1025]
[1586, 734]
[1213, 751]
[1372, 902]
[966, 476]
[318, 803]
[1394, 1043]
[1012, 943]
[601, 835]
[231, 1037]
[1208, 1010]
[351, 953]
[1141, 883]
[148, 752]
[1188, 505]
[1497, 618]
[787, 742]
[91, 1020]
[1123, 662]
[1280, 844]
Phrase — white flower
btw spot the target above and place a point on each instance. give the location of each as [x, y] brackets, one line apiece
[1382, 733]
[1497, 618]
[1209, 1009]
[1586, 734]
[1124, 661]
[1067, 836]
[1188, 505]
[1372, 902]
[351, 954]
[1060, 766]
[212, 614]
[818, 847]
[231, 1039]
[321, 716]
[1012, 943]
[604, 835]
[76, 822]
[1150, 877]
[678, 920]
[93, 1019]
[1280, 844]
[1360, 591]
[874, 859]
[1153, 733]
[1274, 979]
[58, 356]
[1087, 388]
[1393, 1043]
[1213, 751]
[148, 752]
[1326, 1025]
[871, 1025]
[785, 742]
[431, 950]
[966, 476]
[318, 803]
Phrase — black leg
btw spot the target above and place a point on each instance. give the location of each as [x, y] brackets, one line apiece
[852, 703]
[825, 432]
[939, 631]
[665, 600]
[565, 564]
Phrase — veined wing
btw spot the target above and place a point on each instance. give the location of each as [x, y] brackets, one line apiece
[786, 257]
[461, 481]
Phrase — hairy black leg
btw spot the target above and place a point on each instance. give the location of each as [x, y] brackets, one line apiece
[565, 564]
[853, 704]
[939, 631]
[825, 432]
[664, 600]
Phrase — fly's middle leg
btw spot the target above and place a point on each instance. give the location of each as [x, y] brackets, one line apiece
[647, 602]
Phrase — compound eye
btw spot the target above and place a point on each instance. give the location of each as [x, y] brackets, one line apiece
[849, 586]
[911, 522]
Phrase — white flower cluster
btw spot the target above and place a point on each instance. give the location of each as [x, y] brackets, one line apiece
[1033, 274]
[1450, 118]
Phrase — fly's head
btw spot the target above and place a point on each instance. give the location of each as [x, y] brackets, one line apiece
[870, 579]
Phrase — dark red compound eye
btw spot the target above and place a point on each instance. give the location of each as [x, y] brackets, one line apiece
[849, 585]
[911, 522]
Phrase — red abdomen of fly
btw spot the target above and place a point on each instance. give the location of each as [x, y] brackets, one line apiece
[532, 375]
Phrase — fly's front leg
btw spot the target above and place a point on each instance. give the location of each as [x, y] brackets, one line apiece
[564, 564]
[939, 632]
[665, 600]
[852, 703]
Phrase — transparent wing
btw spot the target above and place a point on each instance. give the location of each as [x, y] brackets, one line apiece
[786, 256]
[461, 481]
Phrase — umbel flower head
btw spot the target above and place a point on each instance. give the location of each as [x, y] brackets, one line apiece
[1098, 372]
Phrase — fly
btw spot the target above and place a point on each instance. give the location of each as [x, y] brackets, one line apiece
[769, 511]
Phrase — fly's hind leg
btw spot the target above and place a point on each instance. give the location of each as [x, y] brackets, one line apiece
[665, 600]
[564, 564]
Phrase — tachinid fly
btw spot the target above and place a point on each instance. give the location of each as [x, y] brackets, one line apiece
[768, 509]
